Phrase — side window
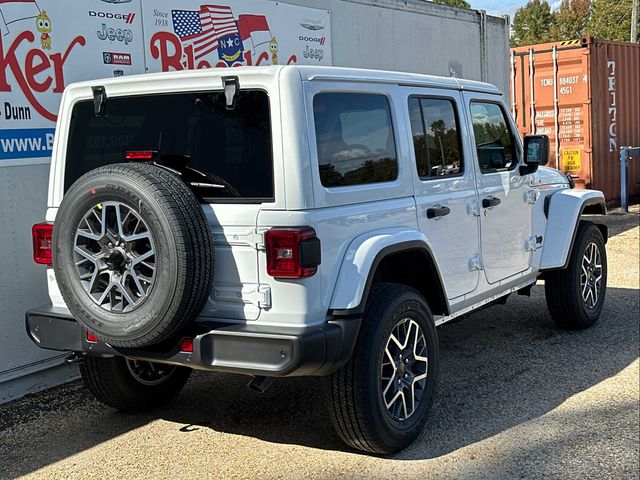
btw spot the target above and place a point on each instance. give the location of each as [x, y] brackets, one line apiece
[355, 139]
[436, 138]
[494, 142]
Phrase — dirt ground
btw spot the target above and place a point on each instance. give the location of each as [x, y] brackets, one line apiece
[518, 399]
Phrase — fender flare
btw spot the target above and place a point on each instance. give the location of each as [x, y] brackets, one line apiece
[361, 261]
[564, 210]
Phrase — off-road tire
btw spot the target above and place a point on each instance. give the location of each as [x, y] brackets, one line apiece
[563, 290]
[354, 395]
[111, 382]
[183, 245]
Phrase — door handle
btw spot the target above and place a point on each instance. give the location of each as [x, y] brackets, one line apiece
[490, 202]
[438, 211]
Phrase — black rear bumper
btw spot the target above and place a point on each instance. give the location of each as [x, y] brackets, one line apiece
[237, 348]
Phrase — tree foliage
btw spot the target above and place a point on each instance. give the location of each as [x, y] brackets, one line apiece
[532, 23]
[536, 22]
[610, 20]
[570, 19]
[453, 3]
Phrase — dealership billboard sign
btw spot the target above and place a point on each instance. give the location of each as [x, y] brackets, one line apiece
[47, 44]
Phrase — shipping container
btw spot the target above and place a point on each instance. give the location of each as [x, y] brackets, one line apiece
[585, 95]
[98, 38]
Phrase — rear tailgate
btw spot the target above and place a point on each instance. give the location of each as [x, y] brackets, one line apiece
[224, 155]
[237, 293]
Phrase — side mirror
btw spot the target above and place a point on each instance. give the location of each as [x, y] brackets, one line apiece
[536, 152]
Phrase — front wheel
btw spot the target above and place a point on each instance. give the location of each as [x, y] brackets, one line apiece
[380, 399]
[132, 385]
[575, 295]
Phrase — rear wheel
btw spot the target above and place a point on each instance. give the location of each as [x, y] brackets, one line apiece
[132, 385]
[380, 399]
[575, 295]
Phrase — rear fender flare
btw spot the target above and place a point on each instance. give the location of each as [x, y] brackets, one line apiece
[361, 260]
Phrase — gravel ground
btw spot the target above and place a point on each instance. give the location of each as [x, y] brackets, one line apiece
[518, 399]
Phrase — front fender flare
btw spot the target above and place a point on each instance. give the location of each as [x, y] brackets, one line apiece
[564, 209]
[360, 262]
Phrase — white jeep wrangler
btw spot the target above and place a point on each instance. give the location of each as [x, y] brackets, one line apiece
[282, 221]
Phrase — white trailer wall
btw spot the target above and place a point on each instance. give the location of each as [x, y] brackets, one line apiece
[418, 36]
[409, 35]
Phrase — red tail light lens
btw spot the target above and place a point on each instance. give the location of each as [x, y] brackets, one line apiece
[42, 243]
[186, 345]
[292, 252]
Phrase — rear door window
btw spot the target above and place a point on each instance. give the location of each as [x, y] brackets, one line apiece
[224, 154]
[355, 141]
[436, 137]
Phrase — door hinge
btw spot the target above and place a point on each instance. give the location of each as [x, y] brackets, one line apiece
[533, 243]
[473, 208]
[261, 296]
[253, 238]
[532, 196]
[258, 239]
[475, 262]
[258, 295]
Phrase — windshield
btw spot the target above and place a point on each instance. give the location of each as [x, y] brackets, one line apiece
[222, 154]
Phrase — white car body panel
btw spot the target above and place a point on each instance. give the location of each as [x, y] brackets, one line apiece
[356, 223]
[452, 251]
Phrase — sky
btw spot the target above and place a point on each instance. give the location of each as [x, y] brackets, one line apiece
[496, 7]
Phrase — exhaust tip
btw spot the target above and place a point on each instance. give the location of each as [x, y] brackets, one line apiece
[260, 383]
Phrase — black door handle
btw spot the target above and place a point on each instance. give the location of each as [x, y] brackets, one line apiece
[438, 211]
[490, 202]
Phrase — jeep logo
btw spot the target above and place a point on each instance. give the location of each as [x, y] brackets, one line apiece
[113, 34]
[128, 17]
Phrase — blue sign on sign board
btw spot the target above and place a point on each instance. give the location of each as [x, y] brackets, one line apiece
[26, 143]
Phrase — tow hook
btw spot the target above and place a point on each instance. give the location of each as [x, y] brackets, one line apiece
[75, 358]
[260, 384]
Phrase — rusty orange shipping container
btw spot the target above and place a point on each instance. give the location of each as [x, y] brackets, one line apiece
[585, 95]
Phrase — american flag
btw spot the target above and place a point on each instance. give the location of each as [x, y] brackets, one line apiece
[204, 28]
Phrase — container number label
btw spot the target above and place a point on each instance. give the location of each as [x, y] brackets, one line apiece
[571, 160]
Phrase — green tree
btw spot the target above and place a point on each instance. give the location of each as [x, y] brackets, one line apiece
[570, 19]
[532, 23]
[610, 20]
[453, 3]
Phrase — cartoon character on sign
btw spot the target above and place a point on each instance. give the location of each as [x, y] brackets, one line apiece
[273, 46]
[43, 25]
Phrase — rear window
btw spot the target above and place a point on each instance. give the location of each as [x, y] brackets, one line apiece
[355, 140]
[224, 154]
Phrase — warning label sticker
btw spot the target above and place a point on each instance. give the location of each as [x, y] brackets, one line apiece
[571, 160]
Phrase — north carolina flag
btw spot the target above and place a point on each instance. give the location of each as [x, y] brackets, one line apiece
[12, 11]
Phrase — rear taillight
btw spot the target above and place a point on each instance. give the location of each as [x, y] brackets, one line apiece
[42, 242]
[292, 252]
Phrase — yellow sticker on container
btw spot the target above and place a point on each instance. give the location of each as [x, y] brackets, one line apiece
[571, 160]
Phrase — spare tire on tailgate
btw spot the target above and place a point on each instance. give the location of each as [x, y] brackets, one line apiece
[133, 254]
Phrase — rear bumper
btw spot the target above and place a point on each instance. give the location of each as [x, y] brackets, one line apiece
[223, 347]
